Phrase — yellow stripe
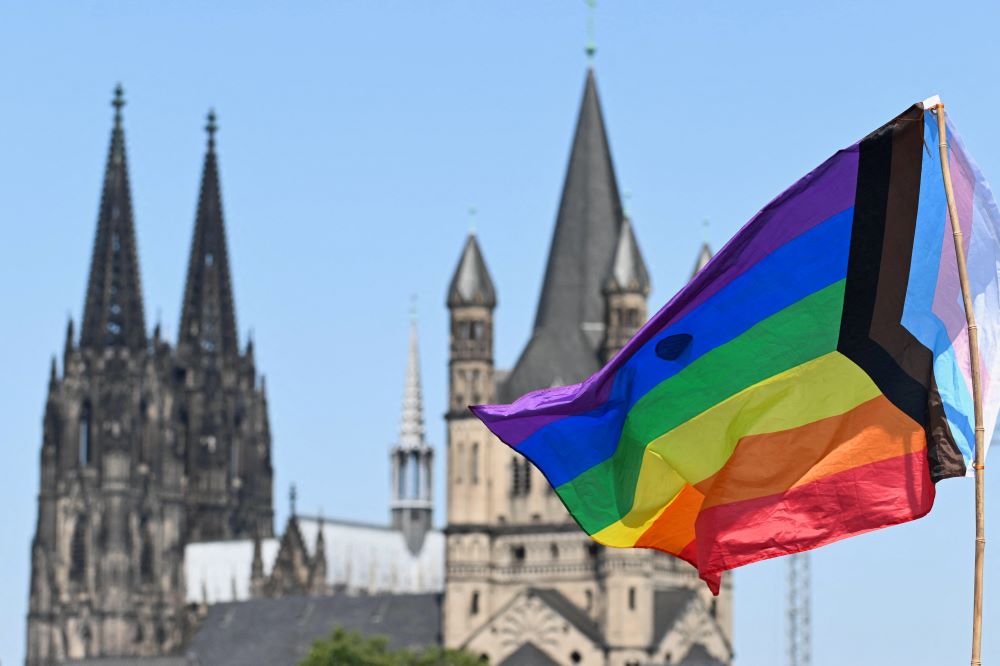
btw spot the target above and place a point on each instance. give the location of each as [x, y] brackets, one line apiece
[824, 387]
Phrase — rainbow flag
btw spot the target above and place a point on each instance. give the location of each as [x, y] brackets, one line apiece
[811, 383]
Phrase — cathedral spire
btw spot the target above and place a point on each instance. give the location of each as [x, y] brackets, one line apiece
[113, 311]
[208, 320]
[628, 272]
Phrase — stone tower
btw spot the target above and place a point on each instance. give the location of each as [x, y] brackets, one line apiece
[524, 584]
[107, 553]
[411, 459]
[222, 413]
[145, 448]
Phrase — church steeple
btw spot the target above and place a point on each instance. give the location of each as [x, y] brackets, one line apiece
[570, 320]
[208, 319]
[113, 311]
[411, 458]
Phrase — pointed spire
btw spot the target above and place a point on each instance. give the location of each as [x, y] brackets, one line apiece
[411, 423]
[68, 344]
[587, 226]
[53, 374]
[628, 272]
[113, 312]
[471, 284]
[208, 319]
[704, 256]
[569, 323]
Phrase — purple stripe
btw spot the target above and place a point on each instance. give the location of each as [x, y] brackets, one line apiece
[819, 195]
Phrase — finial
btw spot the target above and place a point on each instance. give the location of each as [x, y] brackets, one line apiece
[413, 309]
[292, 494]
[118, 102]
[591, 48]
[211, 127]
[626, 198]
[472, 220]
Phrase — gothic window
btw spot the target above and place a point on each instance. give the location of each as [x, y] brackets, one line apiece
[474, 465]
[474, 604]
[520, 476]
[476, 330]
[632, 318]
[146, 556]
[459, 462]
[86, 445]
[631, 598]
[401, 475]
[474, 387]
[414, 486]
[78, 552]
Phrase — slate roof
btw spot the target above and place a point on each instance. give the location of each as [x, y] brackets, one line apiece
[668, 605]
[704, 256]
[132, 661]
[528, 655]
[569, 323]
[699, 656]
[276, 632]
[471, 284]
[570, 612]
[629, 269]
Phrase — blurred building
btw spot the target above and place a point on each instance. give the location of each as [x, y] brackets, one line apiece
[524, 584]
[155, 542]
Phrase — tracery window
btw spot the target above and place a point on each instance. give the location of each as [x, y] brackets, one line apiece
[85, 448]
[78, 552]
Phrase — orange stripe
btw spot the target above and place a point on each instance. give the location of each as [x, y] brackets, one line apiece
[674, 529]
[772, 463]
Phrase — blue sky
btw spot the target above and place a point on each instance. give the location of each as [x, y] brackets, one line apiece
[355, 136]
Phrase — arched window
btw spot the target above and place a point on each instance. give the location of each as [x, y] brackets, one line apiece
[589, 597]
[78, 552]
[86, 443]
[554, 551]
[414, 476]
[146, 556]
[631, 598]
[459, 462]
[474, 604]
[474, 464]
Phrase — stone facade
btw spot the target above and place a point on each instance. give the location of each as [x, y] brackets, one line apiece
[523, 583]
[146, 448]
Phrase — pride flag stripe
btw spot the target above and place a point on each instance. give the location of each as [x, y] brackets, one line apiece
[815, 388]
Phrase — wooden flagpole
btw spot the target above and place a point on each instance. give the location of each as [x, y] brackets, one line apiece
[977, 394]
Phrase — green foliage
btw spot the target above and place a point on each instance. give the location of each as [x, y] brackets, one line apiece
[349, 648]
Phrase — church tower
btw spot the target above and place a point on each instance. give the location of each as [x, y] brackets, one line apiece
[411, 459]
[524, 584]
[626, 292]
[106, 574]
[222, 412]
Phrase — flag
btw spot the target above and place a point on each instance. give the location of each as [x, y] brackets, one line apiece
[811, 383]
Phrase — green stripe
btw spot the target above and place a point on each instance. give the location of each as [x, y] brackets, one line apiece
[801, 332]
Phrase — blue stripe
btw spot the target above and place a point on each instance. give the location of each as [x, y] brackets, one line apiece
[918, 312]
[810, 262]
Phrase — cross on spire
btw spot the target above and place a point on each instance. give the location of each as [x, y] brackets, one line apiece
[591, 47]
[211, 127]
[118, 102]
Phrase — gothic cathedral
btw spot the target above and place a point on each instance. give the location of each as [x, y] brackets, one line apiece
[146, 447]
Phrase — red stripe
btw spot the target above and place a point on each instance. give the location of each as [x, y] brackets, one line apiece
[862, 499]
